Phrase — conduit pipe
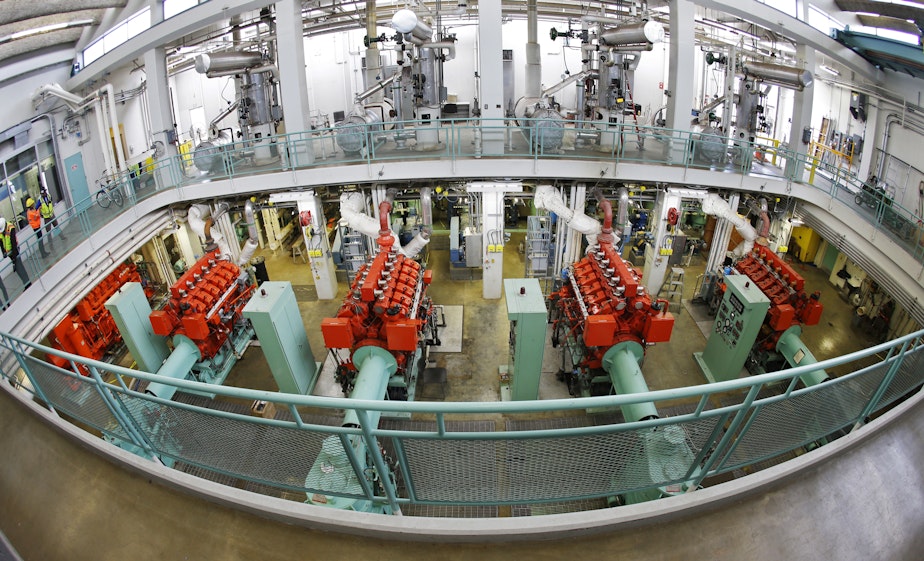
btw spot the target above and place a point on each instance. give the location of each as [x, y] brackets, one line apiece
[114, 123]
[547, 197]
[352, 207]
[200, 221]
[450, 46]
[584, 74]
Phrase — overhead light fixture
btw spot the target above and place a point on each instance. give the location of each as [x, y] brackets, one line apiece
[830, 70]
[726, 27]
[45, 29]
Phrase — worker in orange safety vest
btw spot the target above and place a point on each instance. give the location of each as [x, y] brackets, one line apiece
[34, 216]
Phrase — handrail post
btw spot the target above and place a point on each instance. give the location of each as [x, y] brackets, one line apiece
[372, 445]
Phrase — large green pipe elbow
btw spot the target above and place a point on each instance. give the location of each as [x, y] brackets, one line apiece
[621, 363]
[177, 366]
[375, 365]
[797, 354]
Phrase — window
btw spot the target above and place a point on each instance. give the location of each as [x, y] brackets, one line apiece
[174, 7]
[125, 30]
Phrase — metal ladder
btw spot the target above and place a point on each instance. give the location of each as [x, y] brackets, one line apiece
[674, 288]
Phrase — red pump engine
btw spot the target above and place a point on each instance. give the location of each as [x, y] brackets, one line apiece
[601, 304]
[89, 330]
[205, 303]
[387, 307]
[789, 304]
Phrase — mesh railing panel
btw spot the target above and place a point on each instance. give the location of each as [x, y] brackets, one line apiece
[76, 397]
[257, 452]
[791, 423]
[910, 374]
[463, 471]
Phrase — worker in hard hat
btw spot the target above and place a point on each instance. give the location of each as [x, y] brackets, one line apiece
[10, 246]
[34, 216]
[6, 297]
[47, 209]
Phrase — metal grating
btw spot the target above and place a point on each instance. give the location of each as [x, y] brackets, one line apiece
[276, 455]
[75, 396]
[786, 425]
[463, 471]
[910, 375]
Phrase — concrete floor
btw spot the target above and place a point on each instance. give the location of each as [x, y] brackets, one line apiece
[473, 373]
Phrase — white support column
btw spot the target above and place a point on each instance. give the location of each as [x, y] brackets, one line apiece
[317, 245]
[680, 77]
[492, 234]
[656, 265]
[290, 54]
[160, 114]
[869, 141]
[801, 114]
[491, 72]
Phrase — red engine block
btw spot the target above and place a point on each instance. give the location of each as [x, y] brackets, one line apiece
[383, 307]
[89, 330]
[603, 304]
[204, 304]
[789, 304]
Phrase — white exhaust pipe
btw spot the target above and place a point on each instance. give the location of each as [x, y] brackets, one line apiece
[200, 221]
[548, 198]
[715, 205]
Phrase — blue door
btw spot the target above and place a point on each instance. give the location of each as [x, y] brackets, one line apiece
[77, 181]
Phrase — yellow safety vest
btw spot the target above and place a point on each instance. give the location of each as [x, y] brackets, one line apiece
[7, 241]
[48, 210]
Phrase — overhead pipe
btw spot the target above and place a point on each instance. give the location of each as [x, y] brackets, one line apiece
[114, 123]
[406, 22]
[379, 86]
[582, 75]
[352, 209]
[450, 46]
[622, 216]
[547, 197]
[606, 236]
[765, 222]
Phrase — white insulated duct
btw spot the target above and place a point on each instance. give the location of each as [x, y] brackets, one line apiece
[352, 209]
[406, 21]
[547, 197]
[715, 205]
[250, 246]
[200, 221]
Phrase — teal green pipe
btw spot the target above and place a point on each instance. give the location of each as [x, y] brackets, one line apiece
[177, 366]
[621, 363]
[375, 366]
[790, 345]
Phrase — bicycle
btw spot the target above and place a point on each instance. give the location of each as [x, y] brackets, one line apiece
[109, 194]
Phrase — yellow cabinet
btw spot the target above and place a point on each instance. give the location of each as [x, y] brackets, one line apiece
[804, 243]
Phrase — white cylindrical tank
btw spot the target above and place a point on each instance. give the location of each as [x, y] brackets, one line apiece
[634, 33]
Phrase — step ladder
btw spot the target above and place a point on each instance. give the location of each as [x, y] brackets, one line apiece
[673, 289]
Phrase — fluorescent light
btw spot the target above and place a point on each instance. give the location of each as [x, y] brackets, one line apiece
[830, 70]
[47, 28]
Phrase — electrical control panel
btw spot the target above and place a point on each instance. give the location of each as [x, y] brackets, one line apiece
[737, 323]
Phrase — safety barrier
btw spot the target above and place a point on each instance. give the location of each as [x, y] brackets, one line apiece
[550, 456]
[466, 139]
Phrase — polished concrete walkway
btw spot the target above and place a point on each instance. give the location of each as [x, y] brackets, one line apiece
[860, 498]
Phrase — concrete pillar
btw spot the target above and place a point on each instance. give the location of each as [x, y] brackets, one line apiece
[290, 49]
[492, 234]
[801, 116]
[680, 77]
[491, 72]
[317, 246]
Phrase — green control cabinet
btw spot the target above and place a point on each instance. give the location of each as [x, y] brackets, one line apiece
[736, 326]
[276, 319]
[528, 318]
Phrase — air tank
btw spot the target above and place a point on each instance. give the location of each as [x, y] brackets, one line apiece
[778, 74]
[227, 62]
[365, 122]
[544, 126]
[634, 33]
[209, 154]
[414, 30]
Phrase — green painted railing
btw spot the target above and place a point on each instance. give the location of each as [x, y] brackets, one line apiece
[459, 454]
[460, 140]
